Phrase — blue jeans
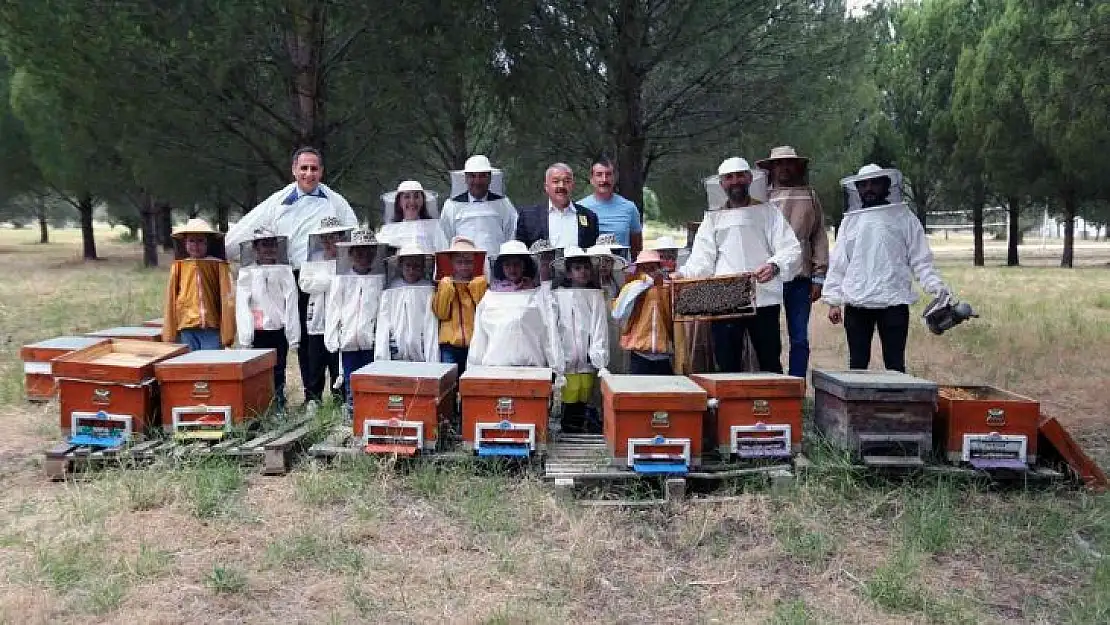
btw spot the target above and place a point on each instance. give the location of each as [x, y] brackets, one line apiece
[795, 299]
[353, 361]
[198, 339]
[454, 355]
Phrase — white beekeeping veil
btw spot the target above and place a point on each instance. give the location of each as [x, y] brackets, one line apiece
[476, 165]
[852, 200]
[715, 195]
[391, 209]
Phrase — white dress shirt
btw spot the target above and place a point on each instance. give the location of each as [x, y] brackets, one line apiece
[562, 225]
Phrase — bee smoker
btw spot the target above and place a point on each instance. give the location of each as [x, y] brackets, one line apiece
[946, 312]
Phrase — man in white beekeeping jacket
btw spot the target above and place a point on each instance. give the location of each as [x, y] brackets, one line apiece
[477, 209]
[880, 248]
[266, 315]
[294, 212]
[515, 324]
[747, 234]
[408, 328]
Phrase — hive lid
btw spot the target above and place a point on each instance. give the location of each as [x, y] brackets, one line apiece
[751, 385]
[862, 385]
[432, 370]
[68, 343]
[409, 378]
[216, 356]
[652, 384]
[127, 331]
[216, 364]
[481, 372]
[119, 360]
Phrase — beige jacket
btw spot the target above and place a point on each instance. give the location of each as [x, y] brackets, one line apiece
[803, 211]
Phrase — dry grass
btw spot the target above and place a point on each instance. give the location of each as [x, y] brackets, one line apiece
[366, 541]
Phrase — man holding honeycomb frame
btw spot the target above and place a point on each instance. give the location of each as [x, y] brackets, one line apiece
[745, 235]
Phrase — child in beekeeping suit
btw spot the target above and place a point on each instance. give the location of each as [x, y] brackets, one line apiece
[266, 302]
[408, 329]
[611, 271]
[315, 279]
[583, 316]
[644, 308]
[353, 300]
[462, 284]
[200, 303]
[515, 324]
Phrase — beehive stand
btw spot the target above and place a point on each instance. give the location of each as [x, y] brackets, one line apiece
[274, 449]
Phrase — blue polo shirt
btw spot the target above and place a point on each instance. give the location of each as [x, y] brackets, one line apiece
[618, 216]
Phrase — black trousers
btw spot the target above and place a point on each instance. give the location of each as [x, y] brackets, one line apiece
[763, 329]
[313, 359]
[893, 324]
[275, 340]
[638, 365]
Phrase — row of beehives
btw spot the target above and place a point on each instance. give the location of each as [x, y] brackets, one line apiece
[112, 389]
[113, 386]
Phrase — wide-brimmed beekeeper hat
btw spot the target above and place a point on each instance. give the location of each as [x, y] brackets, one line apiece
[196, 226]
[852, 200]
[389, 200]
[330, 225]
[781, 153]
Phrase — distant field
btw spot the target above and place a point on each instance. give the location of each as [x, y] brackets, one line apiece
[364, 542]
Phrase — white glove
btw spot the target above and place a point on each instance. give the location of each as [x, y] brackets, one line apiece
[560, 383]
[602, 372]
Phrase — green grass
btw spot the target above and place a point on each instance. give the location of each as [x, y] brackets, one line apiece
[212, 487]
[315, 547]
[226, 580]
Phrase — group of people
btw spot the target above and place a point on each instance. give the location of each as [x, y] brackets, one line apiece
[565, 285]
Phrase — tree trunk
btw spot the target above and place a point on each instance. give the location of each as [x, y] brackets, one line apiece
[1067, 260]
[631, 135]
[221, 215]
[163, 214]
[1013, 235]
[148, 215]
[88, 240]
[304, 42]
[44, 233]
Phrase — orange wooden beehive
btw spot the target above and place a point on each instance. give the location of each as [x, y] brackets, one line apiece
[399, 406]
[38, 371]
[504, 409]
[987, 427]
[153, 323]
[203, 393]
[134, 333]
[758, 415]
[108, 391]
[653, 424]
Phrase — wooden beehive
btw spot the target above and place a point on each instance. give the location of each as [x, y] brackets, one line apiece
[651, 418]
[505, 409]
[38, 372]
[399, 406]
[115, 378]
[135, 333]
[713, 299]
[967, 416]
[206, 392]
[885, 417]
[758, 415]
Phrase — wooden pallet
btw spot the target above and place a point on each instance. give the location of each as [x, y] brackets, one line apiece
[341, 444]
[273, 449]
[577, 460]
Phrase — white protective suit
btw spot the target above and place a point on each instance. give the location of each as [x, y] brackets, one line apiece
[583, 328]
[353, 312]
[295, 220]
[488, 224]
[405, 318]
[877, 255]
[739, 240]
[427, 233]
[516, 329]
[266, 299]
